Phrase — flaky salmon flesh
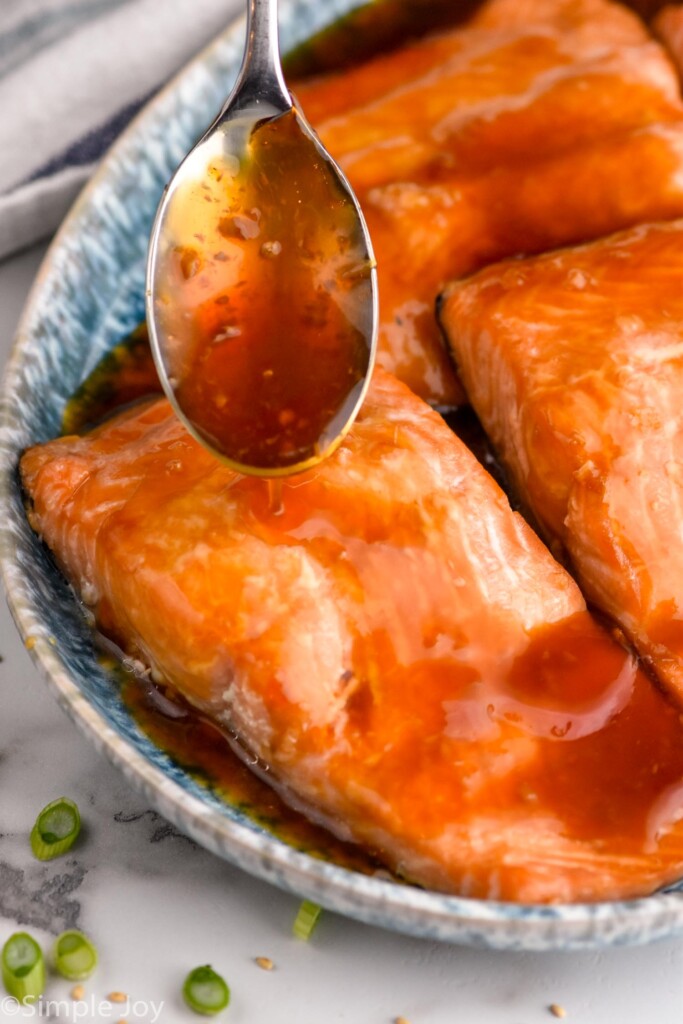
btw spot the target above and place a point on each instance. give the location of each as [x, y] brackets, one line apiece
[538, 123]
[574, 363]
[395, 645]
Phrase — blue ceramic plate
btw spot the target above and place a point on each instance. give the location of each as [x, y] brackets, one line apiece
[88, 295]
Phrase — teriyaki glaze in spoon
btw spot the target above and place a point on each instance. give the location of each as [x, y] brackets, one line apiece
[261, 287]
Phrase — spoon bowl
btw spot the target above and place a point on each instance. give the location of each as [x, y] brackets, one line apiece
[261, 281]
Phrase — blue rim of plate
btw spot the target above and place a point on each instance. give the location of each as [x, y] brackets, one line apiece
[37, 361]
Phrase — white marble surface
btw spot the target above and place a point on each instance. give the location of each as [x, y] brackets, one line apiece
[157, 906]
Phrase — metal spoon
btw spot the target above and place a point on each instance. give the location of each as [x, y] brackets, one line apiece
[261, 281]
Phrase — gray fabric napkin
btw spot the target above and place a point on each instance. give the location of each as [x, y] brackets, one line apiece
[72, 74]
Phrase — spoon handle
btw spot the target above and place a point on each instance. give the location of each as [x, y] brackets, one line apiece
[260, 81]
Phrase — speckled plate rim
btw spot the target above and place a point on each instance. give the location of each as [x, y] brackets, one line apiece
[476, 923]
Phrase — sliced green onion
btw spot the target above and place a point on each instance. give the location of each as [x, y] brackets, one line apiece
[56, 829]
[306, 920]
[74, 956]
[205, 991]
[23, 968]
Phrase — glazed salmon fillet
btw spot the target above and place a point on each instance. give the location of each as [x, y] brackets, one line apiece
[438, 137]
[453, 227]
[507, 95]
[574, 363]
[393, 643]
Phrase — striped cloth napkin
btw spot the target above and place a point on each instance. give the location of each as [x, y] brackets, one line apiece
[72, 74]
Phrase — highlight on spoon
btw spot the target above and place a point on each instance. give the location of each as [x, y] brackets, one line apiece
[262, 300]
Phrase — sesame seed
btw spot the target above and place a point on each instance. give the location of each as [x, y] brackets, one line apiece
[265, 963]
[271, 249]
[77, 992]
[117, 997]
[557, 1010]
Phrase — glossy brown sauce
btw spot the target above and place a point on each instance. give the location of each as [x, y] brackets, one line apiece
[124, 375]
[265, 300]
[617, 750]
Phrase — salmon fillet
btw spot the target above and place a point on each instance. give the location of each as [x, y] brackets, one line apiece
[394, 644]
[506, 96]
[443, 139]
[574, 363]
[427, 233]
